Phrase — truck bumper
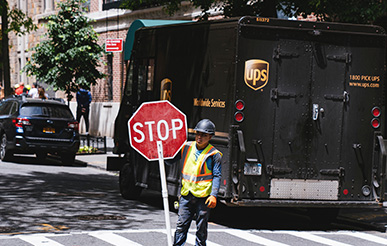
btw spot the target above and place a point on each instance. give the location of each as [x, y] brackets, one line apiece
[303, 204]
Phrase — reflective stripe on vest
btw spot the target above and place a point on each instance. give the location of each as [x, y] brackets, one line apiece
[196, 171]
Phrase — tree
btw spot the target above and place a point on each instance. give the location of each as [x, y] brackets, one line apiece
[350, 11]
[360, 11]
[70, 55]
[12, 20]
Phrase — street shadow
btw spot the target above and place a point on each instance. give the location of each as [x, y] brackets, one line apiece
[41, 201]
[51, 160]
[292, 218]
[289, 218]
[79, 199]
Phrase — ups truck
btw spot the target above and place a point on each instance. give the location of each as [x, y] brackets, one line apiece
[299, 108]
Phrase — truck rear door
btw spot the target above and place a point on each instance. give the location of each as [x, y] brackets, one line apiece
[295, 84]
[310, 98]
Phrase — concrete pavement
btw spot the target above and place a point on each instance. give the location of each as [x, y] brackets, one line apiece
[98, 160]
[95, 160]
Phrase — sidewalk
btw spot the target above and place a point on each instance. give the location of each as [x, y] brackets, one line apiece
[98, 160]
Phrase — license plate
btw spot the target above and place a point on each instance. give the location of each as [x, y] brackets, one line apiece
[48, 130]
[253, 169]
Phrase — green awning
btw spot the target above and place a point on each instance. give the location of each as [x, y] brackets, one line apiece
[137, 24]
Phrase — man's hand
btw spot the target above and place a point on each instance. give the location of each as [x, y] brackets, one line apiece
[211, 202]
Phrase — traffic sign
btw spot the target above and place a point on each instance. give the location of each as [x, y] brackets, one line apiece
[157, 121]
[114, 45]
[158, 130]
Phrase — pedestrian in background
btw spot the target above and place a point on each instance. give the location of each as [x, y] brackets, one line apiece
[26, 90]
[201, 175]
[83, 105]
[42, 93]
[34, 91]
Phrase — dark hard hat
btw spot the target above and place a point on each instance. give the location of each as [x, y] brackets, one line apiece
[205, 126]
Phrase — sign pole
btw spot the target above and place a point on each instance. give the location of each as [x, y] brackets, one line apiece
[164, 191]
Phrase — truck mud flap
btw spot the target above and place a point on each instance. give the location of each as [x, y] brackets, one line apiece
[114, 163]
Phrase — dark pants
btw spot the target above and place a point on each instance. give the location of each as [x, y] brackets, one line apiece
[189, 206]
[85, 114]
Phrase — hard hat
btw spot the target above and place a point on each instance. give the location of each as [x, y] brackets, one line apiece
[205, 126]
[17, 86]
[28, 87]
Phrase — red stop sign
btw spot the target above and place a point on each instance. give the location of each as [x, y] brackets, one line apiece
[157, 121]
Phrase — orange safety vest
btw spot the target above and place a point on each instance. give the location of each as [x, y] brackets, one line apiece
[196, 176]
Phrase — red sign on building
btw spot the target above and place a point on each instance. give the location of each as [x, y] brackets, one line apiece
[154, 122]
[114, 45]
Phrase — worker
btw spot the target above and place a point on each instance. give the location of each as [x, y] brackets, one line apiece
[201, 174]
[19, 88]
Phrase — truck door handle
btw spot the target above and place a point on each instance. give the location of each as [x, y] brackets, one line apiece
[276, 94]
[315, 111]
[344, 97]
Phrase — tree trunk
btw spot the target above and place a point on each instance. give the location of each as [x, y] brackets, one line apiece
[5, 50]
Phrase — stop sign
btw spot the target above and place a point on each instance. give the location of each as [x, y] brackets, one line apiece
[157, 121]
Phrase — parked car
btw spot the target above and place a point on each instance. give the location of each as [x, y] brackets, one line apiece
[37, 126]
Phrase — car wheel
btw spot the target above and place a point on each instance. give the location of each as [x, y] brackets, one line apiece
[67, 158]
[128, 188]
[5, 155]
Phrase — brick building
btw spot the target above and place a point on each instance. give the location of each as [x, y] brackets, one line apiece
[110, 22]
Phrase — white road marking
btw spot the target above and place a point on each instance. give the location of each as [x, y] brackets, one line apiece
[365, 236]
[113, 239]
[318, 239]
[42, 239]
[254, 238]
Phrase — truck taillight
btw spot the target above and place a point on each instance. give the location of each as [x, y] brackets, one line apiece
[239, 105]
[20, 122]
[376, 112]
[74, 125]
[375, 123]
[239, 116]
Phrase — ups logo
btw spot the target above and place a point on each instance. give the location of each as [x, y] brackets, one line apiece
[166, 90]
[256, 73]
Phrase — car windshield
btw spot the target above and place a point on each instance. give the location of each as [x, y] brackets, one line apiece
[53, 111]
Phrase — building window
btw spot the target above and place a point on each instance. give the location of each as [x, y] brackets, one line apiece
[48, 5]
[86, 5]
[111, 4]
[110, 76]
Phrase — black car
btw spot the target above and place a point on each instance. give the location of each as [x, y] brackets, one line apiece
[37, 126]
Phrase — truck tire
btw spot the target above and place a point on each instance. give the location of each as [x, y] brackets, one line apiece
[5, 155]
[128, 188]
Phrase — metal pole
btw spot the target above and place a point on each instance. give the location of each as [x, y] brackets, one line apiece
[164, 191]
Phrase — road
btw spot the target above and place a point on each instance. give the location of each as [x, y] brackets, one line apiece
[50, 204]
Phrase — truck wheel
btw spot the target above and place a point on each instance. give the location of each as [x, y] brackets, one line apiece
[5, 155]
[128, 188]
[67, 158]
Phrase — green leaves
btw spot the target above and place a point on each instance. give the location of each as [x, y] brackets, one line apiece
[353, 11]
[19, 22]
[70, 54]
